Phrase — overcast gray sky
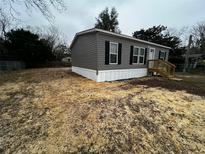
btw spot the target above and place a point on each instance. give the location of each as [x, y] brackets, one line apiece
[133, 14]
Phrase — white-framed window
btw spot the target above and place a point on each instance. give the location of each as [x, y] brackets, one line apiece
[135, 55]
[138, 55]
[162, 55]
[142, 54]
[113, 53]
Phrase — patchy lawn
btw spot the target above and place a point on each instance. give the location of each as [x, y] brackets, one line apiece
[56, 111]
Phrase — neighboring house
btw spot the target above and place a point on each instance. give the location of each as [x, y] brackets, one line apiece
[67, 59]
[106, 56]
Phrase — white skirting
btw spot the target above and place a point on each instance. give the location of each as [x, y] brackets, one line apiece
[88, 73]
[110, 75]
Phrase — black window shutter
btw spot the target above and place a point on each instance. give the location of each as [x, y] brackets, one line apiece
[159, 54]
[165, 55]
[107, 52]
[131, 54]
[119, 53]
[145, 56]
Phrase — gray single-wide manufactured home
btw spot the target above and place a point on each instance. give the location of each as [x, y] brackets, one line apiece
[105, 56]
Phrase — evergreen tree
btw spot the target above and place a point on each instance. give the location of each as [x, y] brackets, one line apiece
[108, 20]
[28, 47]
[155, 34]
[158, 35]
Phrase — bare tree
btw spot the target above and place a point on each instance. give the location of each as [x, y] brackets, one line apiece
[198, 32]
[54, 37]
[44, 6]
[5, 23]
[182, 33]
[50, 33]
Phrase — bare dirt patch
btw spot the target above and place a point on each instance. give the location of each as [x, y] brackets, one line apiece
[56, 111]
[171, 85]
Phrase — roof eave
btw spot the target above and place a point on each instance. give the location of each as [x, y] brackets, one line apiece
[116, 34]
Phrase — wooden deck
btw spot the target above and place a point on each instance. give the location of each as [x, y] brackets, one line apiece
[161, 67]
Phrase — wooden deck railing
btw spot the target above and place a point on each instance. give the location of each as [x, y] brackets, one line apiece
[164, 68]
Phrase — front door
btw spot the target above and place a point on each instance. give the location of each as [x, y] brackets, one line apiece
[151, 53]
[151, 56]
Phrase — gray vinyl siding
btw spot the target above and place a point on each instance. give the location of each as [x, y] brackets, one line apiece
[88, 51]
[84, 51]
[125, 59]
[157, 49]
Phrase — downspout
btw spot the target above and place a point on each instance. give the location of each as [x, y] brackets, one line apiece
[97, 55]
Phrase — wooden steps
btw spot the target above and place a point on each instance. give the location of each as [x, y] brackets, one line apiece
[162, 68]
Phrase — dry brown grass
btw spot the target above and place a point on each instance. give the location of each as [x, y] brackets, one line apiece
[56, 111]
